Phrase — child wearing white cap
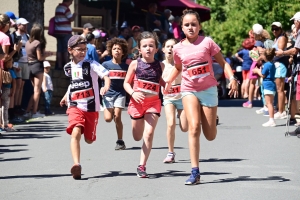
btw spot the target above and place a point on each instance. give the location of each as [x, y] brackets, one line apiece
[47, 88]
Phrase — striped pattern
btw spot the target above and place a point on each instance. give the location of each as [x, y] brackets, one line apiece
[62, 19]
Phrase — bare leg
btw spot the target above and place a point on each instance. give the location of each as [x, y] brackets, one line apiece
[75, 144]
[171, 124]
[280, 92]
[118, 122]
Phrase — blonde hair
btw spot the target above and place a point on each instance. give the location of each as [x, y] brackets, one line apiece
[263, 36]
[4, 19]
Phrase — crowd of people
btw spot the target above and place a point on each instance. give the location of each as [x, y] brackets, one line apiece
[106, 68]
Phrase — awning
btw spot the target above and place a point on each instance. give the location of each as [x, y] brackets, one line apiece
[177, 6]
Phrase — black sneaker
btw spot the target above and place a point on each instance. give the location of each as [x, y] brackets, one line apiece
[120, 145]
[295, 132]
[293, 121]
[141, 172]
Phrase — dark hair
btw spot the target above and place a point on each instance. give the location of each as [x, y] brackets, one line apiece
[89, 37]
[117, 41]
[37, 33]
[175, 41]
[146, 35]
[270, 53]
[190, 12]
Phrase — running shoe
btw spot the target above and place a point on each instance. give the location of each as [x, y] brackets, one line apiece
[120, 145]
[269, 124]
[37, 115]
[76, 171]
[247, 105]
[27, 115]
[293, 122]
[260, 111]
[141, 172]
[297, 124]
[194, 178]
[283, 115]
[296, 132]
[170, 158]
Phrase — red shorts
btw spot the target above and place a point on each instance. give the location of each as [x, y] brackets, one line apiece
[87, 120]
[148, 105]
[245, 74]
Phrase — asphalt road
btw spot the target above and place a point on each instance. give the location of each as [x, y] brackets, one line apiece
[246, 161]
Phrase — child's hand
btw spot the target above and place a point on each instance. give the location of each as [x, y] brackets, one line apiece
[138, 96]
[103, 90]
[63, 102]
[167, 86]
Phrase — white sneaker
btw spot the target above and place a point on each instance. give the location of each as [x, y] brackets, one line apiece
[27, 115]
[283, 115]
[37, 115]
[269, 124]
[260, 111]
[277, 115]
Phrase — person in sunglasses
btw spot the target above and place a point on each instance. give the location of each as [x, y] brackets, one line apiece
[281, 63]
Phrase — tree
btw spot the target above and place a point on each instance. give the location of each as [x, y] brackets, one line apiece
[231, 20]
[32, 11]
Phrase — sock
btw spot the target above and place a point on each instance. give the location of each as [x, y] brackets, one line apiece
[271, 119]
[250, 102]
[195, 169]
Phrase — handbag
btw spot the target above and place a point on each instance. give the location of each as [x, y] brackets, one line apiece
[6, 77]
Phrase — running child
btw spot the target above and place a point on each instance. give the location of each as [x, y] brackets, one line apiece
[145, 106]
[115, 98]
[268, 74]
[172, 101]
[82, 98]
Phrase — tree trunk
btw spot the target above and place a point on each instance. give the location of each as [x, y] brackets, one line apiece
[32, 11]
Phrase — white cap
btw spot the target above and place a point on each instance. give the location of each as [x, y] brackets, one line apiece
[257, 29]
[96, 33]
[46, 64]
[296, 16]
[293, 26]
[278, 24]
[22, 21]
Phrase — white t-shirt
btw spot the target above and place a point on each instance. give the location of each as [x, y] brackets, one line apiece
[49, 85]
[24, 39]
[83, 91]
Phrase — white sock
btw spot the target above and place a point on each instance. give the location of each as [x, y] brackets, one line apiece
[271, 120]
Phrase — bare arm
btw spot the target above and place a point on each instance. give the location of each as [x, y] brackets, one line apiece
[238, 57]
[282, 42]
[104, 89]
[175, 72]
[44, 84]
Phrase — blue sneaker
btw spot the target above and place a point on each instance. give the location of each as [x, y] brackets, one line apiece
[194, 178]
[266, 113]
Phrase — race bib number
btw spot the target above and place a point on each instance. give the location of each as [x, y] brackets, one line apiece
[148, 86]
[83, 94]
[174, 90]
[199, 70]
[117, 74]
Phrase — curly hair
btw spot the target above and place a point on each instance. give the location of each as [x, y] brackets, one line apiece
[117, 41]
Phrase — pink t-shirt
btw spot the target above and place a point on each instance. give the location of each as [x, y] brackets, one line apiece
[4, 39]
[197, 70]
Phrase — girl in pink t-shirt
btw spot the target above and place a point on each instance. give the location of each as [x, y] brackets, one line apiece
[192, 57]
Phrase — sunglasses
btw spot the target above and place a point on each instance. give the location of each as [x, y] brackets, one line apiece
[275, 29]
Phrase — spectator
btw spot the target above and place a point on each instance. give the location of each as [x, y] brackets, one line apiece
[47, 87]
[165, 21]
[63, 31]
[151, 20]
[133, 49]
[124, 33]
[91, 53]
[87, 28]
[176, 28]
[100, 45]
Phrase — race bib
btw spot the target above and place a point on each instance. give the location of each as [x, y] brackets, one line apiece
[199, 70]
[174, 90]
[148, 86]
[83, 94]
[76, 73]
[117, 74]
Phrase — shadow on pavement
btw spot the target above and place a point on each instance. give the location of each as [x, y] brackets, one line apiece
[35, 176]
[14, 159]
[15, 135]
[214, 160]
[248, 178]
[139, 148]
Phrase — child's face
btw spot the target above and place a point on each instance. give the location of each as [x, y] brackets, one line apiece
[190, 26]
[148, 48]
[78, 52]
[168, 49]
[47, 69]
[117, 51]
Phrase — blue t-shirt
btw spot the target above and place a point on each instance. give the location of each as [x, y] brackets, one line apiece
[247, 61]
[13, 75]
[269, 72]
[117, 74]
[91, 53]
[259, 44]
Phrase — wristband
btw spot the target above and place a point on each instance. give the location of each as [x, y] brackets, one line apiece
[132, 93]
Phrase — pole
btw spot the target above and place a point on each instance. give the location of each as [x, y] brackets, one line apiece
[117, 14]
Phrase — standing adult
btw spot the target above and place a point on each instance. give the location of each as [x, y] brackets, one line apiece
[193, 57]
[36, 54]
[281, 64]
[152, 21]
[133, 50]
[63, 31]
[22, 72]
[87, 28]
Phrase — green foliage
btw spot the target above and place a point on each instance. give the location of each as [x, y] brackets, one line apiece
[231, 20]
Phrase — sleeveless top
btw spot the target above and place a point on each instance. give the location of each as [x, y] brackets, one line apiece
[282, 59]
[147, 73]
[134, 44]
[175, 94]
